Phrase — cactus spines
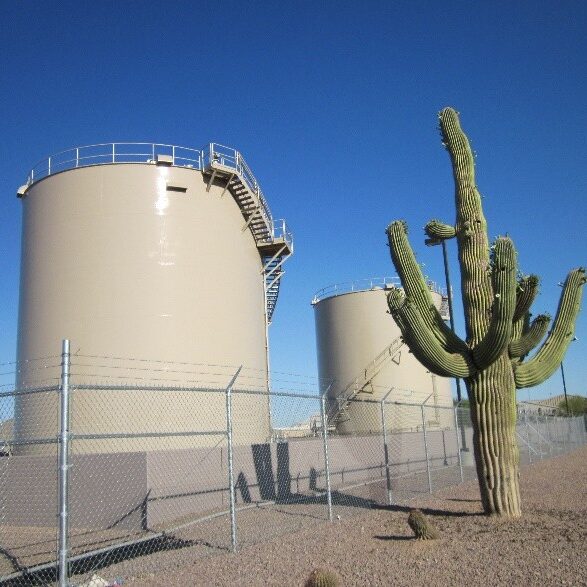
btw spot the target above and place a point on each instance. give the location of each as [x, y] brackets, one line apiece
[499, 333]
[421, 526]
[322, 578]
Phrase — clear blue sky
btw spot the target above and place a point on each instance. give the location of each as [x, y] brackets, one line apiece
[334, 106]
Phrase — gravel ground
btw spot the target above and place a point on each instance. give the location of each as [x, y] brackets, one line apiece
[547, 546]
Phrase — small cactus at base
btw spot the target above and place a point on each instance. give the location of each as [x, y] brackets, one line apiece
[323, 578]
[422, 528]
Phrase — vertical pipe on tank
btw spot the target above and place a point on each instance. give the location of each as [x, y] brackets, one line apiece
[269, 415]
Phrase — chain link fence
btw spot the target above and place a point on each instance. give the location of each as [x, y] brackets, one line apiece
[123, 468]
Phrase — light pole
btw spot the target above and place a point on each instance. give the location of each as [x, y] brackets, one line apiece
[432, 242]
[565, 389]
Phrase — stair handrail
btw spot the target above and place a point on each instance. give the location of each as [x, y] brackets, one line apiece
[368, 372]
[233, 159]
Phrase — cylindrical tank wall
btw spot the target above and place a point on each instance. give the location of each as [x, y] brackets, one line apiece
[352, 331]
[139, 260]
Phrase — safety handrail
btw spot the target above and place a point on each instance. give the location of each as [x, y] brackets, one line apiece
[108, 153]
[281, 231]
[367, 284]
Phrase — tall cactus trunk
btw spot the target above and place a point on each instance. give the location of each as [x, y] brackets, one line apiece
[493, 414]
[497, 322]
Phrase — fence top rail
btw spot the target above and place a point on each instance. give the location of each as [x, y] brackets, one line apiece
[25, 391]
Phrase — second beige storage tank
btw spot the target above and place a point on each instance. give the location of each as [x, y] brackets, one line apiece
[361, 356]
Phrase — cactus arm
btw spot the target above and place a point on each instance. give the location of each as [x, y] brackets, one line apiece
[545, 362]
[527, 342]
[422, 342]
[521, 327]
[437, 230]
[527, 291]
[471, 230]
[499, 332]
[416, 289]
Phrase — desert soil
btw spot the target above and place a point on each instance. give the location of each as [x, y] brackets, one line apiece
[547, 546]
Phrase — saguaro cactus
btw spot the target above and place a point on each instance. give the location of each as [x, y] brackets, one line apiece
[497, 319]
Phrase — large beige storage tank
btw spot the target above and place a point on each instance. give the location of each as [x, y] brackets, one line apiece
[361, 356]
[165, 254]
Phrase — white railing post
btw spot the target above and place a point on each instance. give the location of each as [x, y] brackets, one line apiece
[173, 155]
[77, 157]
[49, 165]
[64, 468]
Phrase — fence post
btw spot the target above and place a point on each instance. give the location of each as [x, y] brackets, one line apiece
[426, 450]
[326, 464]
[64, 467]
[458, 442]
[550, 442]
[528, 436]
[386, 452]
[231, 495]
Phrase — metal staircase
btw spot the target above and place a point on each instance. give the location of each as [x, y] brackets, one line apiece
[338, 411]
[226, 167]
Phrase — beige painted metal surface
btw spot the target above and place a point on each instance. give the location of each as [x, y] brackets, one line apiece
[142, 261]
[361, 355]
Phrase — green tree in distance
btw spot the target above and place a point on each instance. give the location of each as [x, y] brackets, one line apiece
[577, 406]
